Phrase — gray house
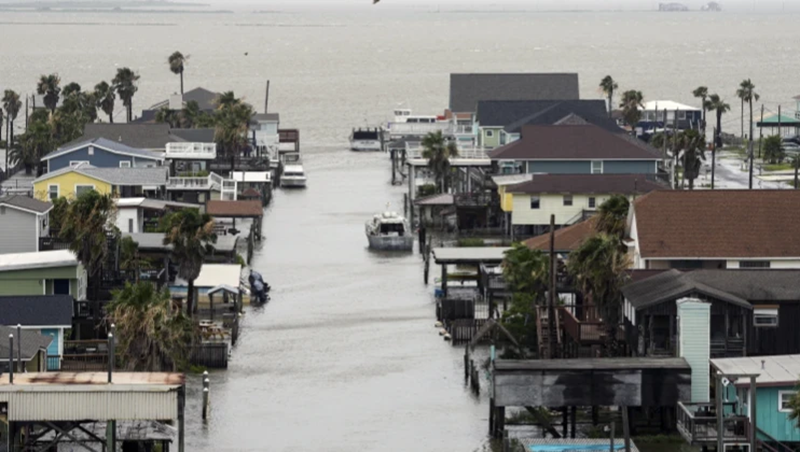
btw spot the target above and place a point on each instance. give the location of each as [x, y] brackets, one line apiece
[23, 221]
[102, 153]
[576, 149]
[466, 90]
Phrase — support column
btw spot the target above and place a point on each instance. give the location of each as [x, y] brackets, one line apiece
[111, 436]
[444, 280]
[499, 421]
[572, 415]
[181, 409]
[753, 424]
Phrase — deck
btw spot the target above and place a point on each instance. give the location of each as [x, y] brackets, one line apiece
[698, 425]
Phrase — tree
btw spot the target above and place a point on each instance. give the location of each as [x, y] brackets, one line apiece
[166, 116]
[189, 115]
[701, 92]
[796, 166]
[598, 268]
[717, 105]
[191, 235]
[747, 94]
[130, 259]
[693, 146]
[85, 227]
[526, 270]
[49, 87]
[80, 104]
[612, 216]
[11, 104]
[438, 151]
[32, 145]
[609, 86]
[232, 121]
[773, 149]
[149, 336]
[125, 86]
[630, 105]
[104, 97]
[60, 206]
[176, 64]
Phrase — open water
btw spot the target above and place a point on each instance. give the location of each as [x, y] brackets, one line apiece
[345, 356]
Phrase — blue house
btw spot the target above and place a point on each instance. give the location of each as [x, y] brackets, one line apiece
[49, 315]
[102, 153]
[658, 113]
[576, 149]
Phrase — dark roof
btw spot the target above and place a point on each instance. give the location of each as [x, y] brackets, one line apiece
[466, 90]
[735, 286]
[718, 224]
[572, 142]
[567, 239]
[266, 117]
[32, 343]
[142, 136]
[234, 209]
[113, 146]
[624, 184]
[206, 100]
[501, 113]
[36, 310]
[559, 115]
[194, 135]
[26, 203]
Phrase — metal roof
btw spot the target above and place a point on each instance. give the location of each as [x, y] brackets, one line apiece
[63, 381]
[266, 117]
[213, 275]
[36, 310]
[780, 370]
[469, 254]
[155, 241]
[26, 204]
[668, 105]
[444, 199]
[148, 203]
[41, 259]
[114, 147]
[252, 176]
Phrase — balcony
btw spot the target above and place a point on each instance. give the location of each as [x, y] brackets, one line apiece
[397, 129]
[191, 151]
[188, 183]
[584, 325]
[464, 152]
[698, 424]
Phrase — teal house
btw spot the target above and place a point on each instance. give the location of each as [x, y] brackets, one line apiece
[776, 384]
[44, 273]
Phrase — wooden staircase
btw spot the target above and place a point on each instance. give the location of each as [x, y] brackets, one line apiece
[543, 332]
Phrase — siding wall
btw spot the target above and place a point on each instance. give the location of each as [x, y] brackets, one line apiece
[490, 141]
[123, 217]
[126, 402]
[550, 204]
[694, 320]
[100, 159]
[18, 232]
[66, 185]
[785, 264]
[29, 282]
[772, 421]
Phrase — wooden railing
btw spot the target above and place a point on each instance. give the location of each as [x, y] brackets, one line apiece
[584, 325]
[697, 423]
[771, 444]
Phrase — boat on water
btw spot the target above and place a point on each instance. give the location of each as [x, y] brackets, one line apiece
[368, 139]
[389, 232]
[293, 176]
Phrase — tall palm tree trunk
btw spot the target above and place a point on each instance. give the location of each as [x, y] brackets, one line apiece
[111, 118]
[181, 83]
[743, 118]
[190, 299]
[719, 129]
[796, 168]
[8, 144]
[610, 99]
[713, 162]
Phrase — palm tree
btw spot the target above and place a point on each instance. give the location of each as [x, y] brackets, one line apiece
[796, 166]
[166, 116]
[631, 104]
[176, 64]
[191, 235]
[701, 92]
[12, 105]
[232, 122]
[608, 85]
[149, 336]
[598, 267]
[49, 87]
[189, 115]
[125, 85]
[104, 99]
[717, 105]
[748, 94]
[85, 228]
[130, 259]
[612, 216]
[693, 146]
[32, 145]
[438, 151]
[227, 99]
[526, 270]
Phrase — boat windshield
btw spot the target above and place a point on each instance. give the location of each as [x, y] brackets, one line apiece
[293, 174]
[365, 135]
[393, 228]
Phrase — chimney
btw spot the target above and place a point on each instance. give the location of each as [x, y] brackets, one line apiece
[176, 102]
[694, 332]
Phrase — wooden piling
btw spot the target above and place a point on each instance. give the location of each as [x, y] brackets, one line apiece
[206, 398]
[573, 415]
[626, 429]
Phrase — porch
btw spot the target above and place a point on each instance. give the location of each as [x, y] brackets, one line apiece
[698, 424]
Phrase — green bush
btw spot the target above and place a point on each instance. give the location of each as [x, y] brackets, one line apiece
[426, 190]
[471, 243]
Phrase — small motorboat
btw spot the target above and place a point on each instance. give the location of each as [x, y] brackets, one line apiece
[389, 232]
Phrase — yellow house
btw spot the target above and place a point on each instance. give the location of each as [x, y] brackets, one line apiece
[71, 182]
[505, 181]
[570, 197]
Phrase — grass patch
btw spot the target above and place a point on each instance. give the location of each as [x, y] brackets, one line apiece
[471, 243]
[778, 167]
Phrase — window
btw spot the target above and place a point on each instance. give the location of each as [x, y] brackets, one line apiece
[592, 202]
[784, 400]
[754, 264]
[489, 133]
[91, 150]
[567, 200]
[681, 114]
[125, 164]
[534, 202]
[74, 163]
[130, 225]
[81, 189]
[597, 167]
[765, 316]
[52, 192]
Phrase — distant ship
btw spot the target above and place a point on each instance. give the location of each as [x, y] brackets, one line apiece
[712, 7]
[672, 7]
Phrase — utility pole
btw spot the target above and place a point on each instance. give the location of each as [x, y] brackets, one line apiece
[780, 131]
[713, 156]
[675, 145]
[551, 294]
[761, 131]
[750, 154]
[266, 99]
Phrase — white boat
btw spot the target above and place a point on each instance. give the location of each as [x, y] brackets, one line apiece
[367, 139]
[293, 176]
[389, 232]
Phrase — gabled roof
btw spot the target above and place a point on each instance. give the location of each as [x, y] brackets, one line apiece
[235, 209]
[466, 90]
[671, 285]
[624, 184]
[32, 343]
[206, 100]
[502, 113]
[193, 135]
[158, 204]
[26, 204]
[136, 135]
[41, 259]
[573, 142]
[36, 310]
[116, 176]
[567, 239]
[720, 224]
[114, 147]
[780, 370]
[560, 115]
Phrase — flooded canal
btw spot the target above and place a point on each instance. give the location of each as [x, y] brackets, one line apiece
[345, 357]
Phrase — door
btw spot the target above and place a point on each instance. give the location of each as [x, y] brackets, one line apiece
[61, 287]
[53, 358]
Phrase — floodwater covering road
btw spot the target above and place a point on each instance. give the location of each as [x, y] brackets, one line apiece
[345, 357]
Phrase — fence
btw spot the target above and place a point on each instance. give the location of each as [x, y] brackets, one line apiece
[92, 356]
[213, 355]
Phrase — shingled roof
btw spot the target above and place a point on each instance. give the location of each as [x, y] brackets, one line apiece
[567, 239]
[466, 90]
[234, 209]
[718, 224]
[26, 203]
[36, 310]
[114, 147]
[623, 184]
[573, 142]
[32, 343]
